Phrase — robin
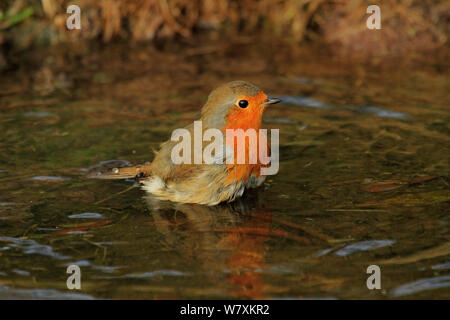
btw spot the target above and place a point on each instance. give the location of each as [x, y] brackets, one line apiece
[235, 105]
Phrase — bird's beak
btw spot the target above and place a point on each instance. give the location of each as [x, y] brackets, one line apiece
[270, 101]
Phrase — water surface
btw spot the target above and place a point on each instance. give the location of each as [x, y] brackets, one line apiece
[363, 179]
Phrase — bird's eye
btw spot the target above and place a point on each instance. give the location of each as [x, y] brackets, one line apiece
[243, 103]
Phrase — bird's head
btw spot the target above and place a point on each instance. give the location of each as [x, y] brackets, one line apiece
[235, 105]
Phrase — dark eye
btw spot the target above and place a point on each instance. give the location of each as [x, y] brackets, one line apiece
[243, 103]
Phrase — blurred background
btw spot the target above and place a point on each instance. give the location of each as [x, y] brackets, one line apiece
[364, 145]
[34, 36]
[409, 26]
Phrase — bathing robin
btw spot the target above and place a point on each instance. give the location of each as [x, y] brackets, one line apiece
[235, 105]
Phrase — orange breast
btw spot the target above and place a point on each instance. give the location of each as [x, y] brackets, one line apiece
[248, 118]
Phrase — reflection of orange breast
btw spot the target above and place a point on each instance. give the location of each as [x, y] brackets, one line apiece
[249, 242]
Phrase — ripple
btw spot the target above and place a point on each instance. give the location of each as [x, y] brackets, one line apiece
[21, 272]
[106, 269]
[49, 178]
[383, 113]
[279, 120]
[441, 266]
[276, 269]
[29, 246]
[421, 285]
[38, 114]
[363, 246]
[47, 229]
[148, 275]
[304, 80]
[48, 294]
[173, 273]
[86, 215]
[80, 263]
[304, 102]
[372, 110]
[7, 204]
[87, 263]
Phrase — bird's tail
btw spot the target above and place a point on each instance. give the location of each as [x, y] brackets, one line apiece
[136, 172]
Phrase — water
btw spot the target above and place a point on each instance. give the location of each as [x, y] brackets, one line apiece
[363, 179]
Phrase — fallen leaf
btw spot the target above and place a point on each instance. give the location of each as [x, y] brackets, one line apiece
[383, 186]
[422, 179]
[85, 227]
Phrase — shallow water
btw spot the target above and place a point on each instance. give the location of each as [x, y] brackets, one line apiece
[363, 178]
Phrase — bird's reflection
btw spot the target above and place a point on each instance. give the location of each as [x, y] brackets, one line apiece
[228, 240]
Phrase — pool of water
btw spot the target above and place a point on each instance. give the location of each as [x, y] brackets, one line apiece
[363, 179]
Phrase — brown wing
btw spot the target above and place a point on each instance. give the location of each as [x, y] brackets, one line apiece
[161, 166]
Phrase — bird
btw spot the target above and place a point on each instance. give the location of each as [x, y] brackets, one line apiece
[234, 105]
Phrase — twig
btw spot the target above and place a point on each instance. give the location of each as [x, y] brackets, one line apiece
[308, 230]
[116, 194]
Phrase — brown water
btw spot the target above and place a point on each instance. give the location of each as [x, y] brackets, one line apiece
[363, 180]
